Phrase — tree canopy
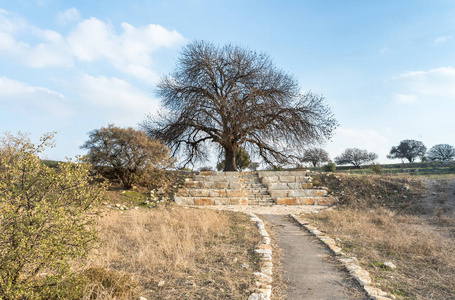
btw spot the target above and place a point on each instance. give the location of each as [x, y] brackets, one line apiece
[409, 149]
[229, 96]
[315, 156]
[355, 156]
[128, 152]
[444, 152]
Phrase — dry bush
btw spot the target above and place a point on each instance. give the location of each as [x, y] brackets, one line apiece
[196, 253]
[372, 190]
[425, 260]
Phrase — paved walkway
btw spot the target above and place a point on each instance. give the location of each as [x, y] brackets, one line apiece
[308, 268]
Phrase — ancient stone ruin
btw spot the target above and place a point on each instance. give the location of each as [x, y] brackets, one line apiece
[252, 188]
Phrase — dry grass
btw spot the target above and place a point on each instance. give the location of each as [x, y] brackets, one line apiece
[195, 254]
[384, 230]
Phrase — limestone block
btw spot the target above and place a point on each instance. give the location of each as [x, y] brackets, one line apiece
[326, 201]
[306, 185]
[269, 179]
[310, 193]
[235, 185]
[238, 201]
[184, 200]
[303, 179]
[208, 184]
[294, 185]
[299, 173]
[286, 201]
[217, 193]
[266, 173]
[287, 179]
[231, 174]
[277, 186]
[191, 184]
[221, 201]
[279, 193]
[305, 200]
[237, 193]
[199, 193]
[203, 201]
[221, 185]
[182, 193]
[206, 173]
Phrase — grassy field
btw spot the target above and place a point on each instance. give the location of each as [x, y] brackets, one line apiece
[169, 253]
[409, 221]
[413, 169]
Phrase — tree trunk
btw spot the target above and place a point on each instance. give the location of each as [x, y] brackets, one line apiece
[229, 159]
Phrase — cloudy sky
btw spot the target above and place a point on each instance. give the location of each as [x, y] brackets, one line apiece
[386, 67]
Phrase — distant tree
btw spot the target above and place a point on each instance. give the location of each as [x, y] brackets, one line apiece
[242, 160]
[356, 157]
[409, 149]
[128, 152]
[230, 97]
[442, 152]
[47, 217]
[315, 156]
[254, 166]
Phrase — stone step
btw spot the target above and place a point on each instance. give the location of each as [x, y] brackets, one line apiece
[298, 193]
[326, 201]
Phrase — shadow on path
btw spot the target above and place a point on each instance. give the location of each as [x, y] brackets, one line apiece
[310, 270]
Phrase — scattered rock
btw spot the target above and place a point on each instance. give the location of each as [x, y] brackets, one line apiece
[161, 283]
[389, 265]
[244, 265]
[141, 298]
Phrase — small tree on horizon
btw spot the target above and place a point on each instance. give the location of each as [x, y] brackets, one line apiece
[315, 156]
[409, 149]
[229, 97]
[443, 152]
[355, 156]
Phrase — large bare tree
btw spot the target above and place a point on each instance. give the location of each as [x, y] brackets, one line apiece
[230, 96]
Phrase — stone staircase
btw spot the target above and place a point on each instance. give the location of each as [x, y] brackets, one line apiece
[294, 188]
[252, 188]
[257, 192]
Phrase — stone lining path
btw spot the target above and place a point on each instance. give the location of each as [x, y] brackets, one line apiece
[309, 270]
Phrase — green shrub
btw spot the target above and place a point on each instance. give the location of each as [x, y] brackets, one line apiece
[46, 218]
[377, 169]
[329, 167]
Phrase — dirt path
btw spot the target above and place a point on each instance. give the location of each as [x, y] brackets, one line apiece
[310, 270]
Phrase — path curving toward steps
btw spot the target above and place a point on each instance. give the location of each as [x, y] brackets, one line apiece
[309, 269]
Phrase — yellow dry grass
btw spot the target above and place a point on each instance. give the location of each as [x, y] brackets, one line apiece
[424, 258]
[176, 253]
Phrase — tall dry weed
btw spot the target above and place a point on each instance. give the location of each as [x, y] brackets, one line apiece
[178, 253]
[424, 258]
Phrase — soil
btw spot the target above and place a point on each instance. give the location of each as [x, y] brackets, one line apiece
[310, 270]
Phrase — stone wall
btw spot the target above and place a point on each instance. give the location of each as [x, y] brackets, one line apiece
[213, 188]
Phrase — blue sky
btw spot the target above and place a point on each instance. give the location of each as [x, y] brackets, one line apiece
[387, 68]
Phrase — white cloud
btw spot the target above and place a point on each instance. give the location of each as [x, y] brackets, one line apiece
[130, 51]
[442, 39]
[91, 40]
[437, 83]
[403, 98]
[116, 99]
[69, 15]
[22, 97]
